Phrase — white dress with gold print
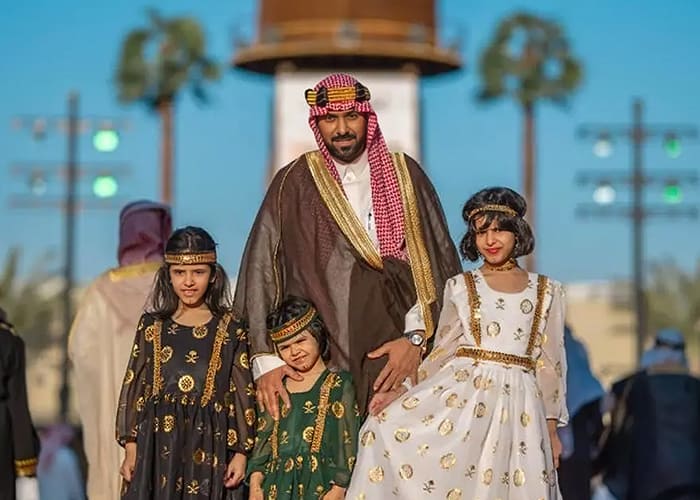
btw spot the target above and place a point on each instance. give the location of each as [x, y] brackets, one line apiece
[475, 426]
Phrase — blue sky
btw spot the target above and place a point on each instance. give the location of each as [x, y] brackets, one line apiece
[645, 48]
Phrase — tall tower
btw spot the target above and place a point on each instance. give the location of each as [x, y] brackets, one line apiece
[387, 44]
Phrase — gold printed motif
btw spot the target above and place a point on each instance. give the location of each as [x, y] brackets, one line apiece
[410, 403]
[313, 462]
[199, 332]
[231, 437]
[338, 409]
[461, 375]
[448, 461]
[454, 494]
[504, 415]
[129, 376]
[149, 332]
[518, 477]
[166, 353]
[524, 419]
[367, 438]
[445, 427]
[451, 400]
[168, 423]
[477, 382]
[493, 329]
[243, 360]
[186, 383]
[308, 434]
[487, 477]
[250, 416]
[406, 471]
[479, 410]
[402, 435]
[191, 357]
[199, 456]
[376, 474]
[526, 306]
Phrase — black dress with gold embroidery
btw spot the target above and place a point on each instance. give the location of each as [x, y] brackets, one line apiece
[313, 446]
[188, 402]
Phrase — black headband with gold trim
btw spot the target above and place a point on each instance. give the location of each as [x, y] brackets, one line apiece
[293, 327]
[188, 258]
[324, 96]
[505, 209]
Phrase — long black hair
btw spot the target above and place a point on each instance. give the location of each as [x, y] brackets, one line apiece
[295, 307]
[516, 224]
[164, 301]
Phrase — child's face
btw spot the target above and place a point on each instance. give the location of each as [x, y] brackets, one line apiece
[190, 282]
[300, 352]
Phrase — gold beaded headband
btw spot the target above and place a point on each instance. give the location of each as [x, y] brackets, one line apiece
[493, 208]
[292, 327]
[190, 258]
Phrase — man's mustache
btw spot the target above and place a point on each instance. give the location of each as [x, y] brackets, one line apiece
[344, 137]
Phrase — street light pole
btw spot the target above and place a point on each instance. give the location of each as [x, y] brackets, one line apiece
[640, 306]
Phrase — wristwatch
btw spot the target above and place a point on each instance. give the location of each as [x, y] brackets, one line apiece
[415, 337]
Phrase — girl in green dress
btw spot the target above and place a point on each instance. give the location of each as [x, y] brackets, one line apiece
[310, 451]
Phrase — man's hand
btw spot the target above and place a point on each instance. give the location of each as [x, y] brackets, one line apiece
[129, 462]
[404, 359]
[235, 472]
[270, 388]
[556, 442]
[381, 400]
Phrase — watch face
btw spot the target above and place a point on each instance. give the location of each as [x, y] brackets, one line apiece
[416, 339]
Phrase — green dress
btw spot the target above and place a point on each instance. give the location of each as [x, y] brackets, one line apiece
[313, 446]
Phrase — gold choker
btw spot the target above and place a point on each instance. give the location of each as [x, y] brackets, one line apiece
[510, 264]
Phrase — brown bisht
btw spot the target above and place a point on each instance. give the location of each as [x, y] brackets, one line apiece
[307, 241]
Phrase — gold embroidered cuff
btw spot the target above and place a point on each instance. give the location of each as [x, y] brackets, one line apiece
[26, 467]
[292, 327]
[493, 208]
[190, 258]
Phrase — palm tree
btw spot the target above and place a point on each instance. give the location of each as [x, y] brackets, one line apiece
[32, 305]
[155, 77]
[528, 59]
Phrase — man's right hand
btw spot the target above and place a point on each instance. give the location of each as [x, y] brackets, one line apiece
[270, 388]
[127, 468]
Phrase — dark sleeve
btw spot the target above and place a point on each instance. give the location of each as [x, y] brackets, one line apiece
[262, 451]
[135, 388]
[241, 411]
[24, 439]
[348, 427]
[261, 273]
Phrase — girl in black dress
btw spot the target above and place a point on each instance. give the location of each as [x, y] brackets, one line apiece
[186, 410]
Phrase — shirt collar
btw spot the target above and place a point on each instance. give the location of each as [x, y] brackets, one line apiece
[358, 167]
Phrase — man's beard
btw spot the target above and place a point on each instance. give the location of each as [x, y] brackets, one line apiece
[346, 154]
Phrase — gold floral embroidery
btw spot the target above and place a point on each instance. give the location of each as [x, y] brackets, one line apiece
[166, 353]
[406, 471]
[168, 423]
[376, 474]
[402, 435]
[410, 403]
[186, 383]
[308, 434]
[493, 329]
[231, 437]
[448, 461]
[338, 409]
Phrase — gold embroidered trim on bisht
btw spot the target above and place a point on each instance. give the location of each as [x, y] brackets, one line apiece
[341, 210]
[120, 273]
[417, 252]
[26, 467]
[157, 327]
[320, 424]
[215, 359]
[498, 357]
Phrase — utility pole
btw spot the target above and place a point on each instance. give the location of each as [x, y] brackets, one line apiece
[638, 133]
[105, 139]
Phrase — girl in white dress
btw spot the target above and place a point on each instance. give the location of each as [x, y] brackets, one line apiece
[481, 423]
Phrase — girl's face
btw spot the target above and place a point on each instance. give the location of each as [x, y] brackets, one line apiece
[190, 282]
[301, 352]
[495, 246]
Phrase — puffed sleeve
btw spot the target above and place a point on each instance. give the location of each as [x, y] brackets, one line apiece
[135, 387]
[449, 332]
[551, 362]
[241, 412]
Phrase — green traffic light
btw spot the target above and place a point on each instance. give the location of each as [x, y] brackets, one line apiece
[673, 194]
[105, 186]
[105, 140]
[672, 145]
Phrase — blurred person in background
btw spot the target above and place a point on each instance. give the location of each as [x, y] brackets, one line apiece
[651, 451]
[102, 336]
[19, 445]
[579, 439]
[59, 472]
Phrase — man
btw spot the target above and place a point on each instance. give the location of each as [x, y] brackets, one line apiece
[652, 451]
[19, 444]
[103, 333]
[360, 233]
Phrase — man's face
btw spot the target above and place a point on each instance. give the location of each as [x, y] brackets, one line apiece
[344, 134]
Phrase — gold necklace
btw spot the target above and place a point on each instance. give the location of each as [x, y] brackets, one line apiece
[507, 266]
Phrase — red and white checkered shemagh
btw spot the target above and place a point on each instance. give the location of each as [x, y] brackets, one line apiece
[386, 196]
